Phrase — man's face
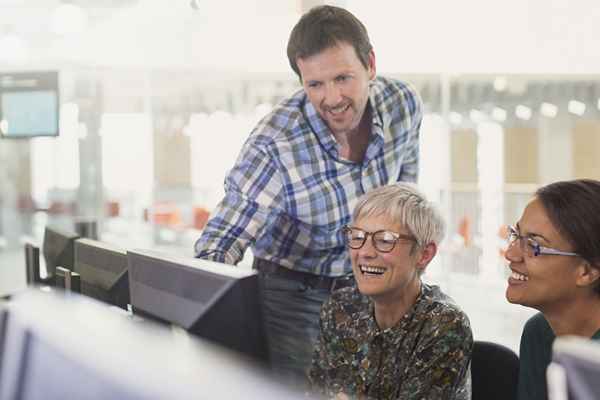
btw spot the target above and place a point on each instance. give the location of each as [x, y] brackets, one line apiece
[337, 85]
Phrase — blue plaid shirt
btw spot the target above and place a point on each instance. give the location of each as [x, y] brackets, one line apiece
[290, 193]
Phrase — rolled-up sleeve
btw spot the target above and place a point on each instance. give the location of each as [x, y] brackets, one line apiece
[252, 192]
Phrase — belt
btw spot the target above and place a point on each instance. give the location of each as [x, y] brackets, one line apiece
[330, 283]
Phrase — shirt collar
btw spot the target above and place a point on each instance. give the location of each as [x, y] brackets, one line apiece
[397, 332]
[374, 92]
[319, 127]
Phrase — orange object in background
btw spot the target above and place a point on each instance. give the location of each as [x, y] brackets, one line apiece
[165, 214]
[201, 215]
[464, 230]
[113, 209]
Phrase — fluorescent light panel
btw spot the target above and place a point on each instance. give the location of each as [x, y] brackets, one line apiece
[548, 110]
[523, 112]
[576, 107]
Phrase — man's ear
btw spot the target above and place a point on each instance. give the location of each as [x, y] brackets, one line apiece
[588, 274]
[372, 69]
[427, 253]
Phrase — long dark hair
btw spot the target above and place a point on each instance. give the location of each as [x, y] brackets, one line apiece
[574, 209]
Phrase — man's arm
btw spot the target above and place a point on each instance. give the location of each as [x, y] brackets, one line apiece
[252, 192]
[440, 367]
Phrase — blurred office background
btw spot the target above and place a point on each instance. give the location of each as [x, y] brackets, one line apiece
[157, 97]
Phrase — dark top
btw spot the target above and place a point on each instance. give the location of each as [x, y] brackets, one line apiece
[535, 355]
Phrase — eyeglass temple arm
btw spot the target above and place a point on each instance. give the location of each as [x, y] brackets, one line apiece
[547, 250]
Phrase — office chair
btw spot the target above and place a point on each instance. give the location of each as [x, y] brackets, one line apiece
[494, 372]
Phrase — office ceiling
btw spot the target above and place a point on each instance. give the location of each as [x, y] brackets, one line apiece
[33, 18]
[511, 37]
[32, 21]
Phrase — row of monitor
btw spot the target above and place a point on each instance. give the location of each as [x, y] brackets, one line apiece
[55, 345]
[215, 301]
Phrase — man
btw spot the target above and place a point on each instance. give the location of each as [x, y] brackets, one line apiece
[392, 336]
[297, 177]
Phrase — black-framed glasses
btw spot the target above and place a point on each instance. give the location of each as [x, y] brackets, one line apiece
[531, 248]
[383, 241]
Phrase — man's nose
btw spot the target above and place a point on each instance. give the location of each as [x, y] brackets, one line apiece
[333, 95]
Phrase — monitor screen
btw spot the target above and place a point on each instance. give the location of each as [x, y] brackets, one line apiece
[215, 301]
[29, 104]
[65, 346]
[68, 378]
[103, 271]
[58, 249]
[574, 373]
[12, 348]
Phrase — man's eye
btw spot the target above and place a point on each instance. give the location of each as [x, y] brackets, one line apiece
[314, 84]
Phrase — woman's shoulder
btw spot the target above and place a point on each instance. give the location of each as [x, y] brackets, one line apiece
[537, 326]
[439, 302]
[442, 315]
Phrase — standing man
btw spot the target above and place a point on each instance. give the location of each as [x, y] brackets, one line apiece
[299, 174]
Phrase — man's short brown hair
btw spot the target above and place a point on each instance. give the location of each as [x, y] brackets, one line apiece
[324, 27]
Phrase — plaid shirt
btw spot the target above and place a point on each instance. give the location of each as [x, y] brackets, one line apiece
[290, 193]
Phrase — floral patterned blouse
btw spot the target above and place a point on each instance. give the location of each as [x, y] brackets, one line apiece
[426, 355]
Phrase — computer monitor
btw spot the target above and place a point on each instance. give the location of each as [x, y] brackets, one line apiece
[103, 271]
[29, 104]
[215, 301]
[12, 346]
[69, 347]
[32, 263]
[58, 249]
[574, 373]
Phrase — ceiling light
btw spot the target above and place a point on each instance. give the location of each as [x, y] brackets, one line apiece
[548, 110]
[576, 107]
[476, 116]
[523, 112]
[500, 84]
[499, 114]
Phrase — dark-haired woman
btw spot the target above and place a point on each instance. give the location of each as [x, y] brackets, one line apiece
[554, 256]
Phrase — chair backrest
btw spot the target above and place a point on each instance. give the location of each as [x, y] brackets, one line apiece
[494, 372]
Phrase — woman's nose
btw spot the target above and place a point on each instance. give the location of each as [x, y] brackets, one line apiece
[513, 251]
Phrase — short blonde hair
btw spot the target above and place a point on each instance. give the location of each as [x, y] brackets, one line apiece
[405, 205]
